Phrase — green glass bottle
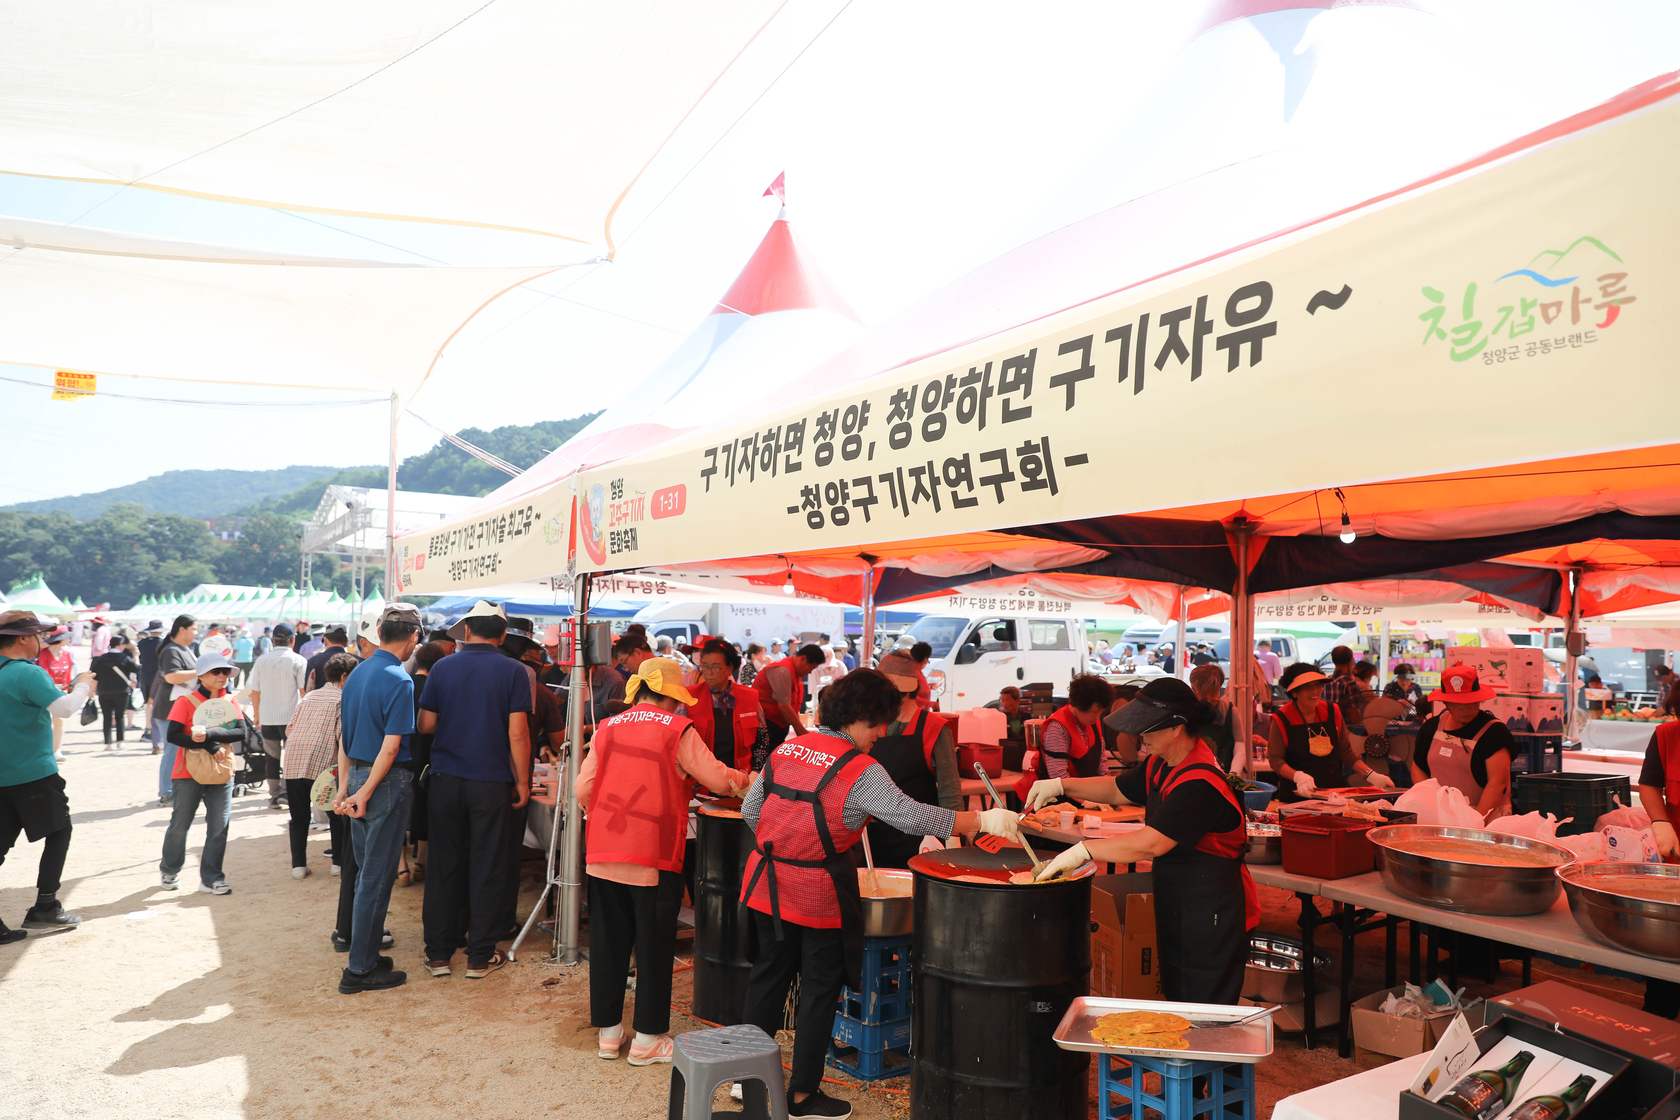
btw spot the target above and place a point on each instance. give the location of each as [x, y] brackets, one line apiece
[1480, 1095]
[1555, 1106]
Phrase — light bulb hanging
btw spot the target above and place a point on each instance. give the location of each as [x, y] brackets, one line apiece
[1347, 535]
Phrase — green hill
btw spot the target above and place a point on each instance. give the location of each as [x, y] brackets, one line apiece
[188, 493]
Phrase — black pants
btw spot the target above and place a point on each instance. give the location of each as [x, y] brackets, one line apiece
[297, 800]
[344, 854]
[622, 918]
[516, 846]
[467, 859]
[112, 706]
[818, 958]
[40, 810]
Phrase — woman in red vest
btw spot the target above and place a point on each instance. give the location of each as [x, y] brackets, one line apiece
[1072, 745]
[1194, 829]
[1659, 796]
[919, 752]
[727, 715]
[635, 786]
[807, 809]
[1308, 745]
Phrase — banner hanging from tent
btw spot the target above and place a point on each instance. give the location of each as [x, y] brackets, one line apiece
[524, 539]
[1490, 299]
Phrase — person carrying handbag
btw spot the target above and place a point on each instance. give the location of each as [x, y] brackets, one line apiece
[206, 724]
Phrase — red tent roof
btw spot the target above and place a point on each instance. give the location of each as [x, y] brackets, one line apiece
[777, 278]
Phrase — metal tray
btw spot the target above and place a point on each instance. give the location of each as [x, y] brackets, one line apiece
[1209, 1042]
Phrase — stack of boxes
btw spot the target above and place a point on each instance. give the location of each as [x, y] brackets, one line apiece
[1534, 716]
[872, 1026]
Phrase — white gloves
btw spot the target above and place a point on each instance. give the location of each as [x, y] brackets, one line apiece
[1304, 784]
[931, 844]
[1001, 822]
[1042, 793]
[1663, 833]
[1069, 860]
[1381, 780]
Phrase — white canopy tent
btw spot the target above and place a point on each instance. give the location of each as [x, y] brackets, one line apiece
[534, 115]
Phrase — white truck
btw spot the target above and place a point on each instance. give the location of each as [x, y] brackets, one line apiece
[743, 622]
[975, 656]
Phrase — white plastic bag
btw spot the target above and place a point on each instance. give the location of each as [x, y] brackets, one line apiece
[1629, 845]
[1623, 817]
[1453, 808]
[1420, 799]
[1536, 826]
[1588, 847]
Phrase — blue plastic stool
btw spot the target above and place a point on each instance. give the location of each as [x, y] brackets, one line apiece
[874, 1020]
[1121, 1091]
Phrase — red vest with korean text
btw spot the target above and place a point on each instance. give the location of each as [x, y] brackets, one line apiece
[638, 812]
[748, 717]
[1200, 766]
[766, 698]
[787, 828]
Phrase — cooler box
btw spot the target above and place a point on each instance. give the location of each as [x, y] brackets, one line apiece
[1318, 846]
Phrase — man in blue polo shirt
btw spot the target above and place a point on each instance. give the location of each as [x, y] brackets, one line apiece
[375, 779]
[474, 706]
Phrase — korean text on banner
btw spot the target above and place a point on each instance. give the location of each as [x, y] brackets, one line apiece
[529, 535]
[68, 386]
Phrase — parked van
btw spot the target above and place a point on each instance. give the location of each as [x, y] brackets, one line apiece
[975, 656]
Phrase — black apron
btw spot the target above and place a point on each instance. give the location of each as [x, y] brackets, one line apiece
[840, 866]
[723, 734]
[1326, 770]
[1201, 920]
[906, 764]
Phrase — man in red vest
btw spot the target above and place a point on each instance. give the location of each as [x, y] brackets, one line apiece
[781, 691]
[728, 715]
[635, 785]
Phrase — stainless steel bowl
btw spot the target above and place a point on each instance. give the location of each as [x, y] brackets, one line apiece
[1265, 844]
[1633, 925]
[1468, 888]
[1273, 972]
[890, 916]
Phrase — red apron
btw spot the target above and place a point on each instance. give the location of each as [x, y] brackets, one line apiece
[639, 811]
[767, 698]
[1084, 754]
[743, 730]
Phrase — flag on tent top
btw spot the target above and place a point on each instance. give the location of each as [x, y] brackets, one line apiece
[780, 317]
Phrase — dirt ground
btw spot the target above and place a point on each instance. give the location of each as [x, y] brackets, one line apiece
[186, 1005]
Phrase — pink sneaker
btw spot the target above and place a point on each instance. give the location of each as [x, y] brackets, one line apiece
[607, 1048]
[660, 1051]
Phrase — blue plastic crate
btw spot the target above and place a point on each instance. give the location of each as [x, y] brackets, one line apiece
[1188, 1090]
[871, 1065]
[883, 996]
[871, 1036]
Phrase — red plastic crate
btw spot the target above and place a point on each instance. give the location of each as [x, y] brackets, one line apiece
[1320, 846]
[990, 756]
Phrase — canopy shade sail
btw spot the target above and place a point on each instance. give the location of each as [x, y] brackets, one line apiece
[1493, 293]
[103, 302]
[534, 115]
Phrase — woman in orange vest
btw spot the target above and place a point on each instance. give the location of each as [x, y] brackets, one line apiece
[1071, 745]
[635, 786]
[727, 715]
[807, 809]
[1194, 829]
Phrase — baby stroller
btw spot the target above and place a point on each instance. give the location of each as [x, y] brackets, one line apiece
[255, 766]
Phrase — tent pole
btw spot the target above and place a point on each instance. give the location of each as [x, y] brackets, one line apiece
[1242, 652]
[393, 585]
[571, 851]
[866, 655]
[1382, 655]
[1179, 670]
[1571, 672]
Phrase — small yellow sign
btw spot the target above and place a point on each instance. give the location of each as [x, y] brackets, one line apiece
[68, 386]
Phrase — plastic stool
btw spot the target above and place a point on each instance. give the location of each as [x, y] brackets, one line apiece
[703, 1060]
[1121, 1093]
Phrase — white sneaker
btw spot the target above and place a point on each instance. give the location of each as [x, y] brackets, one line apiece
[218, 887]
[300, 872]
[58, 757]
[171, 882]
[335, 869]
[319, 827]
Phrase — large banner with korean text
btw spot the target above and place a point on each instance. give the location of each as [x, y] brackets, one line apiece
[1513, 314]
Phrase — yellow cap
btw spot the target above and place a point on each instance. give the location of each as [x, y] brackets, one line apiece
[661, 675]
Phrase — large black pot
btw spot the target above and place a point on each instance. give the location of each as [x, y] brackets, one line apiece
[994, 969]
[724, 941]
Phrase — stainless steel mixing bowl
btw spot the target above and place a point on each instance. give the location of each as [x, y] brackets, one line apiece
[888, 916]
[1273, 972]
[1633, 925]
[1469, 888]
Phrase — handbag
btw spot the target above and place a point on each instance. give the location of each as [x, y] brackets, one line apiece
[203, 766]
[90, 712]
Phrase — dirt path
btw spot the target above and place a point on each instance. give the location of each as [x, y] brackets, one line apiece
[185, 1005]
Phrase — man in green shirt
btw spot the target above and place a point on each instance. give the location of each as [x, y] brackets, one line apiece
[32, 797]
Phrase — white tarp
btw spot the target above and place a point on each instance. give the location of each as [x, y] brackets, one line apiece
[522, 114]
[109, 303]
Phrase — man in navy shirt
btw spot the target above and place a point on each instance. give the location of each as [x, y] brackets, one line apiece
[474, 707]
[375, 779]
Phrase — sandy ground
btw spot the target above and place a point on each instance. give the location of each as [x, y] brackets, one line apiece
[186, 1005]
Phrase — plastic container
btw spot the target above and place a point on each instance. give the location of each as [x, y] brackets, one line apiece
[1585, 797]
[1258, 799]
[982, 725]
[1319, 846]
[989, 756]
[543, 786]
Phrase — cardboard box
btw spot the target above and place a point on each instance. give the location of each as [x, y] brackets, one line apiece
[1515, 669]
[1125, 962]
[1611, 1024]
[1291, 1018]
[1397, 1037]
